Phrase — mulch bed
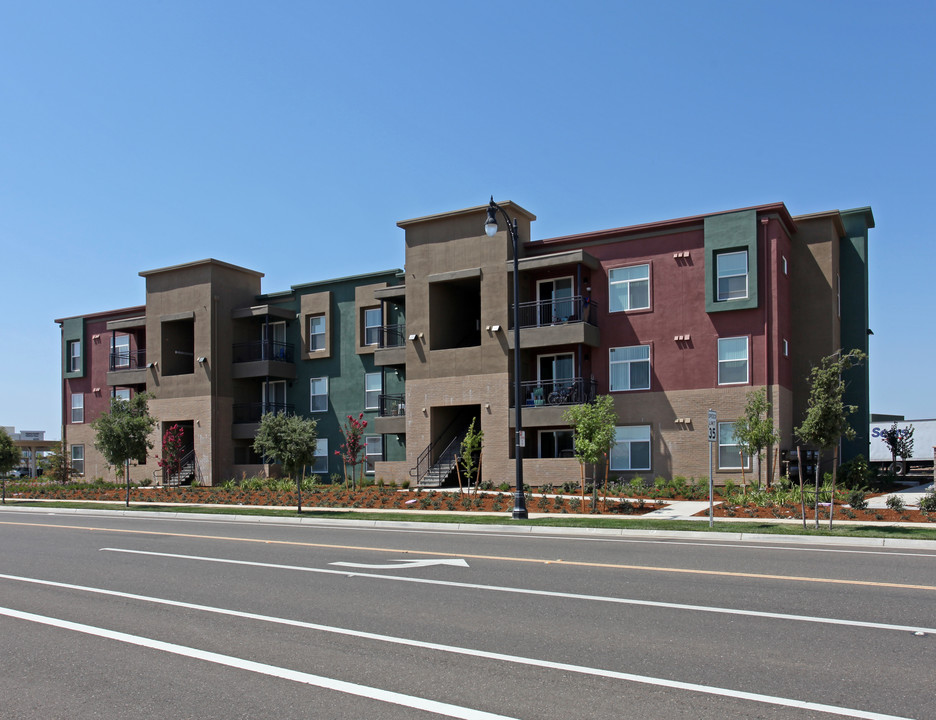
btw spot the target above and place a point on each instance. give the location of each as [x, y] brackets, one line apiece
[842, 513]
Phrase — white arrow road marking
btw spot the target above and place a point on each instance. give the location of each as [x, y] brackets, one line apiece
[404, 564]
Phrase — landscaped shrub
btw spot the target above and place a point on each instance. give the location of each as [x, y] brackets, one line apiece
[895, 502]
[928, 502]
[856, 499]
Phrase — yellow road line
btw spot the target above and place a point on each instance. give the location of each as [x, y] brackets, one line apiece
[573, 563]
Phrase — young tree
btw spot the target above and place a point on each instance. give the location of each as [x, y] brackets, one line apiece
[826, 421]
[123, 433]
[755, 431]
[593, 429]
[172, 451]
[470, 447]
[352, 450]
[10, 457]
[57, 465]
[900, 444]
[289, 440]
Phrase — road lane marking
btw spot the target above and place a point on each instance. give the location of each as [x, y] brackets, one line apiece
[387, 696]
[501, 558]
[403, 564]
[544, 593]
[515, 659]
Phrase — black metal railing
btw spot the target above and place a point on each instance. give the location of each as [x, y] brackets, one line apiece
[127, 359]
[252, 412]
[392, 336]
[570, 391]
[391, 405]
[542, 313]
[263, 350]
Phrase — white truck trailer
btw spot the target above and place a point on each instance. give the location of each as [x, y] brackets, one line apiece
[924, 442]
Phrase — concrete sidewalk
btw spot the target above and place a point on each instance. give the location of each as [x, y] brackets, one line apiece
[910, 496]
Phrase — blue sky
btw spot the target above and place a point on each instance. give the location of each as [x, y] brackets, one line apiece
[290, 137]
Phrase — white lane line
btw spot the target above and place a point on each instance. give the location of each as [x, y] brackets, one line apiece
[516, 659]
[549, 593]
[387, 696]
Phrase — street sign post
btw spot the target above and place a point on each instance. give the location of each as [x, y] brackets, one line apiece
[712, 439]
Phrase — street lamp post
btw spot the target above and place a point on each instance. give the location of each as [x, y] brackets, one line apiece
[490, 227]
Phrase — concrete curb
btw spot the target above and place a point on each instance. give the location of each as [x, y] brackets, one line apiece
[904, 543]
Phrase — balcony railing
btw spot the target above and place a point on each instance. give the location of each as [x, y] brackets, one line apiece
[542, 313]
[263, 350]
[252, 412]
[391, 405]
[571, 391]
[127, 360]
[392, 336]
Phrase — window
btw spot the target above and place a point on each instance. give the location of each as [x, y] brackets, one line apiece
[629, 288]
[729, 452]
[732, 273]
[320, 464]
[74, 356]
[631, 450]
[556, 444]
[785, 267]
[372, 322]
[732, 360]
[122, 394]
[77, 458]
[77, 408]
[318, 389]
[316, 333]
[786, 348]
[119, 351]
[373, 386]
[630, 368]
[373, 451]
[555, 301]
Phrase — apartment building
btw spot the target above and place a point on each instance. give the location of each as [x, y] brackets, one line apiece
[672, 319]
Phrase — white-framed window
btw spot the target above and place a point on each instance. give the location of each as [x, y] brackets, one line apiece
[629, 288]
[631, 449]
[77, 407]
[120, 351]
[316, 333]
[729, 452]
[373, 387]
[318, 394]
[555, 300]
[122, 394]
[320, 463]
[373, 452]
[77, 458]
[732, 361]
[732, 272]
[556, 444]
[630, 368]
[74, 356]
[373, 319]
[273, 394]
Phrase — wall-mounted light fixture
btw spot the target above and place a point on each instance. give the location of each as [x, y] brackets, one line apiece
[495, 328]
[412, 337]
[202, 360]
[151, 365]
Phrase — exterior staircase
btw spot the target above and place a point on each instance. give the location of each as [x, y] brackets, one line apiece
[438, 473]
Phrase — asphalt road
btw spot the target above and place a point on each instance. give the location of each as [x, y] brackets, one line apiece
[145, 617]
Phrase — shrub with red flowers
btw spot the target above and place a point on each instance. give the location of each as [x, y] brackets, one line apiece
[172, 450]
[352, 450]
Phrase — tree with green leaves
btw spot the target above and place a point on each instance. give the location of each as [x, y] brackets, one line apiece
[289, 440]
[900, 443]
[10, 457]
[123, 434]
[470, 459]
[57, 465]
[754, 430]
[826, 421]
[593, 431]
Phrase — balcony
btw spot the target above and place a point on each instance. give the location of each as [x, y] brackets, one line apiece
[391, 345]
[246, 417]
[568, 321]
[264, 359]
[391, 417]
[126, 367]
[545, 401]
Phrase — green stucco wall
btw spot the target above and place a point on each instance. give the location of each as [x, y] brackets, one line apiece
[725, 233]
